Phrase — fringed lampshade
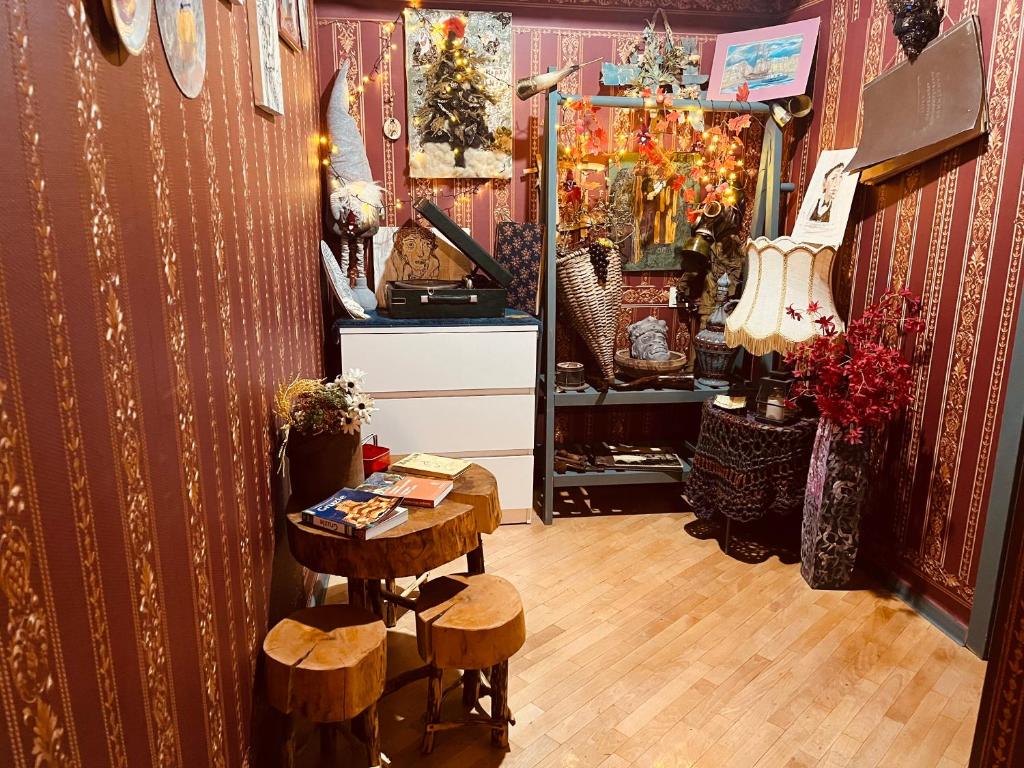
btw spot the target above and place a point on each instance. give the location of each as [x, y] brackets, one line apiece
[780, 273]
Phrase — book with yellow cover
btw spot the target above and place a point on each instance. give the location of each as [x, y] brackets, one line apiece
[429, 465]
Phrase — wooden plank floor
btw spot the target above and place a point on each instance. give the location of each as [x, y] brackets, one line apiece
[649, 647]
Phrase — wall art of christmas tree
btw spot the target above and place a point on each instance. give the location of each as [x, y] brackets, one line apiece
[459, 67]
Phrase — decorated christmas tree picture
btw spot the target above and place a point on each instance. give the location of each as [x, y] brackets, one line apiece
[460, 98]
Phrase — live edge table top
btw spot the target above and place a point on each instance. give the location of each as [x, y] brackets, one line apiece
[428, 539]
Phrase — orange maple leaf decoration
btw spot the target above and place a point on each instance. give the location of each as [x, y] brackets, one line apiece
[743, 92]
[738, 123]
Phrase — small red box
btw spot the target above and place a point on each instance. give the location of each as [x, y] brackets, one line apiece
[376, 458]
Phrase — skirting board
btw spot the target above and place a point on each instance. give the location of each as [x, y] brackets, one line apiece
[921, 605]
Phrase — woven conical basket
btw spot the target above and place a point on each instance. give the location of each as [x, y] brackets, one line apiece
[593, 307]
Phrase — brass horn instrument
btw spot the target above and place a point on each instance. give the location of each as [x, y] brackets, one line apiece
[785, 110]
[544, 81]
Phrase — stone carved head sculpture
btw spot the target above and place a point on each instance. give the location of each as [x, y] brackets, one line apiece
[648, 339]
[915, 23]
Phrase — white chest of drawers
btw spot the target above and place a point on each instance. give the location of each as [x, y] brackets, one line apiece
[455, 388]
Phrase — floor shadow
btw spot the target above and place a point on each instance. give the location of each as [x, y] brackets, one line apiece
[752, 542]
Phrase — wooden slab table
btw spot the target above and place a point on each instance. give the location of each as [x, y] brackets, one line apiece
[429, 539]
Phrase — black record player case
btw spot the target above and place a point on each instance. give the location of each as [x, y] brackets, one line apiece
[482, 293]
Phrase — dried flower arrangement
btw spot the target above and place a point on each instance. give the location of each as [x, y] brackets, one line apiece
[859, 379]
[313, 407]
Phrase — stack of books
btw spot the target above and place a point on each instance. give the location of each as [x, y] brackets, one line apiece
[373, 508]
[417, 491]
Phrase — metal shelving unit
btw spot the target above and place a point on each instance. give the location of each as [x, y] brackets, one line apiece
[764, 221]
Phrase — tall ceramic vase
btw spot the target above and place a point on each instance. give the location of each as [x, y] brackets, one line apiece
[836, 487]
[319, 465]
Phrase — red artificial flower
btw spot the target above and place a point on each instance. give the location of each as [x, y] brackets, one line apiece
[454, 25]
[859, 379]
[813, 307]
[743, 92]
[791, 311]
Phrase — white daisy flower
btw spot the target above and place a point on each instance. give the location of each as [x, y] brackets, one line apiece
[349, 425]
[362, 407]
[353, 378]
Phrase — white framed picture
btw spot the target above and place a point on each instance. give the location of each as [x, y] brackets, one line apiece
[826, 206]
[265, 56]
[304, 31]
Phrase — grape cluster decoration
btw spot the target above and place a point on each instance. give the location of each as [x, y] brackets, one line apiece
[600, 251]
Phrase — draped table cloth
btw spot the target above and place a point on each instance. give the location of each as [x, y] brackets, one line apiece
[744, 468]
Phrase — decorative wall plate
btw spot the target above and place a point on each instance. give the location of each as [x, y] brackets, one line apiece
[392, 128]
[183, 32]
[131, 20]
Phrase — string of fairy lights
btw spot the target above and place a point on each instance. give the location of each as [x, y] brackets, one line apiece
[376, 75]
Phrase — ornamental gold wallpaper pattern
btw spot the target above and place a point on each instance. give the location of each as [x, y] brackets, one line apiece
[951, 229]
[158, 278]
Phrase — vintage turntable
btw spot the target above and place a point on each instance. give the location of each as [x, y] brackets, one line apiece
[481, 293]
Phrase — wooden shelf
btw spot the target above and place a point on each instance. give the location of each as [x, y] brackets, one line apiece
[591, 396]
[764, 221]
[624, 477]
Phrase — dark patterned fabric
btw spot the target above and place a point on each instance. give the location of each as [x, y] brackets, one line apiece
[518, 248]
[836, 484]
[744, 468]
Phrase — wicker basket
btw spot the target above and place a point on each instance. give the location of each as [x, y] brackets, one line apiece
[593, 307]
[635, 368]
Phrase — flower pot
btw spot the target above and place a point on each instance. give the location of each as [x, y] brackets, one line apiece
[319, 465]
[836, 485]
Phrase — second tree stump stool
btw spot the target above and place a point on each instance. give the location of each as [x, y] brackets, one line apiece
[473, 623]
[327, 664]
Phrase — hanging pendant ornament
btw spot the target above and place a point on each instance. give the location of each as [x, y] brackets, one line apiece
[392, 128]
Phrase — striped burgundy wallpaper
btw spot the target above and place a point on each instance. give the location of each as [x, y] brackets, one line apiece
[952, 230]
[158, 277]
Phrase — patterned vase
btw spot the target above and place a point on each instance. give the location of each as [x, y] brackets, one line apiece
[836, 486]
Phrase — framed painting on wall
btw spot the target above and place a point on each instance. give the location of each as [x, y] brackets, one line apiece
[773, 62]
[265, 56]
[288, 23]
[183, 32]
[459, 69]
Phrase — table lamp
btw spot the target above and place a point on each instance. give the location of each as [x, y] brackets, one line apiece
[780, 273]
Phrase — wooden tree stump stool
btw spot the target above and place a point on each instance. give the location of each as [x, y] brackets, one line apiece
[327, 664]
[473, 623]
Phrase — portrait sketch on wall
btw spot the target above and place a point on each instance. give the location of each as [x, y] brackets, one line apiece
[825, 207]
[288, 22]
[183, 32]
[459, 69]
[412, 252]
[131, 20]
[265, 56]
